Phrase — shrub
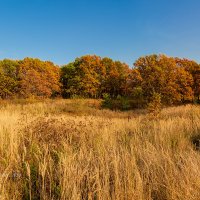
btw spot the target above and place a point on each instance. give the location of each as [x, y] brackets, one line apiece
[120, 103]
[124, 103]
[107, 101]
[154, 106]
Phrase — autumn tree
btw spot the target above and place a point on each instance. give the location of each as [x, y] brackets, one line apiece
[134, 82]
[38, 78]
[175, 80]
[92, 76]
[160, 74]
[194, 69]
[116, 79]
[90, 70]
[185, 83]
[82, 77]
[135, 92]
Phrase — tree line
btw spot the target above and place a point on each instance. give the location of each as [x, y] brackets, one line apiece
[175, 80]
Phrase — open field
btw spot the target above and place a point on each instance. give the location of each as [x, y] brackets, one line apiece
[71, 149]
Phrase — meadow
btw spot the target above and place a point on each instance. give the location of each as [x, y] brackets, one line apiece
[73, 149]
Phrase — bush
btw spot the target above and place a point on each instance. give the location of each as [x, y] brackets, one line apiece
[107, 102]
[120, 103]
[154, 106]
[124, 103]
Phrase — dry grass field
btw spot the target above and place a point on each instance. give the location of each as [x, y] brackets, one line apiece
[71, 149]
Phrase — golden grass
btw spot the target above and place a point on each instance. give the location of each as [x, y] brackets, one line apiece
[71, 149]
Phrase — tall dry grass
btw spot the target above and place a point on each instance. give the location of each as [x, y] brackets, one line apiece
[70, 149]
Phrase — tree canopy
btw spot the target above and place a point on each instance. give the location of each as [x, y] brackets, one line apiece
[175, 80]
[28, 78]
[162, 74]
[91, 76]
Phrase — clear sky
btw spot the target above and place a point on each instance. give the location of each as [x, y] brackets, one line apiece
[61, 30]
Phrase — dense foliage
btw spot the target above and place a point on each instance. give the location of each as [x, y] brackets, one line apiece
[28, 78]
[164, 76]
[92, 76]
[175, 80]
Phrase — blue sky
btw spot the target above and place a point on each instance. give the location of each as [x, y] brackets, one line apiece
[60, 31]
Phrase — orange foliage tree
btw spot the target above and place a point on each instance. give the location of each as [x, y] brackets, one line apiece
[91, 76]
[116, 77]
[175, 80]
[160, 74]
[38, 78]
[194, 69]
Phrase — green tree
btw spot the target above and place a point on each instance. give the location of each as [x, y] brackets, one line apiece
[82, 77]
[8, 78]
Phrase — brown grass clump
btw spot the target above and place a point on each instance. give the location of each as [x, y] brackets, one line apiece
[71, 149]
